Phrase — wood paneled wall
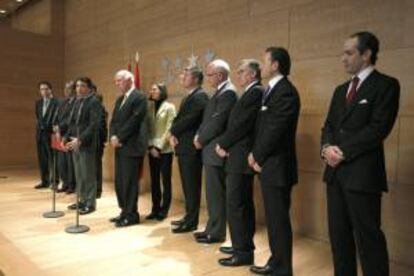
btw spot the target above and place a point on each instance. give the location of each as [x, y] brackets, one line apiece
[25, 59]
[101, 36]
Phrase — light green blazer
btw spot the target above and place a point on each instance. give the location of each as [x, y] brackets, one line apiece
[159, 125]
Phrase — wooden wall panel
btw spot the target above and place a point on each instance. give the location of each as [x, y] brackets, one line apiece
[398, 63]
[35, 18]
[406, 151]
[309, 206]
[316, 80]
[308, 143]
[318, 29]
[26, 58]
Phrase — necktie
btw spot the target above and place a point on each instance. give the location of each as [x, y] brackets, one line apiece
[81, 103]
[352, 92]
[123, 101]
[45, 104]
[266, 94]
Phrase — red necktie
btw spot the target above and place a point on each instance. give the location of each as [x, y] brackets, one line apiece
[352, 92]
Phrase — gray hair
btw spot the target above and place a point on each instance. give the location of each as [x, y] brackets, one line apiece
[253, 65]
[221, 65]
[125, 74]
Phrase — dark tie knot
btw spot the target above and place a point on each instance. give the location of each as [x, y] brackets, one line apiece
[355, 80]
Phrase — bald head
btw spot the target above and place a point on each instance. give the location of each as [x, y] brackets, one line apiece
[217, 72]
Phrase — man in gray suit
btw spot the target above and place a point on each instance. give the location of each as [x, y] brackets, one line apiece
[213, 125]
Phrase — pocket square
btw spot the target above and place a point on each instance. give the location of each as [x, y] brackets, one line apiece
[364, 101]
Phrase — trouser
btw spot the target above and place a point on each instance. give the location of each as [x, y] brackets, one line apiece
[190, 167]
[216, 201]
[240, 212]
[355, 217]
[161, 168]
[84, 164]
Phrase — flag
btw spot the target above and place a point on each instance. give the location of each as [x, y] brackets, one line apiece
[136, 75]
[55, 143]
[137, 78]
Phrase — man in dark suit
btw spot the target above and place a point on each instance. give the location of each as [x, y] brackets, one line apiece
[361, 115]
[129, 141]
[213, 125]
[61, 124]
[274, 157]
[45, 110]
[82, 140]
[183, 130]
[103, 138]
[235, 145]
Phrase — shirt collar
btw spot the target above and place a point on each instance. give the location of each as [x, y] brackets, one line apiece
[192, 90]
[251, 85]
[364, 73]
[129, 92]
[275, 80]
[221, 85]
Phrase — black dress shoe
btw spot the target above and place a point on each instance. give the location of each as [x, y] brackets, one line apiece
[262, 270]
[209, 240]
[200, 234]
[152, 216]
[184, 228]
[115, 219]
[126, 222]
[227, 250]
[41, 186]
[177, 222]
[74, 206]
[237, 260]
[86, 210]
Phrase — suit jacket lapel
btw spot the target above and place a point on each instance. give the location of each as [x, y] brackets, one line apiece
[191, 95]
[128, 100]
[250, 90]
[161, 108]
[220, 91]
[49, 109]
[274, 89]
[363, 89]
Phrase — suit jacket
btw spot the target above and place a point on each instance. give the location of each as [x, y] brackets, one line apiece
[103, 127]
[128, 124]
[159, 125]
[84, 122]
[188, 120]
[275, 142]
[61, 118]
[214, 122]
[238, 138]
[359, 130]
[44, 125]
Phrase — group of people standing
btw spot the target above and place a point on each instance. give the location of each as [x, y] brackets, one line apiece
[233, 137]
[77, 125]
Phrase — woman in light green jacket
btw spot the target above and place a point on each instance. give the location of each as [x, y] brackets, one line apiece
[160, 117]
